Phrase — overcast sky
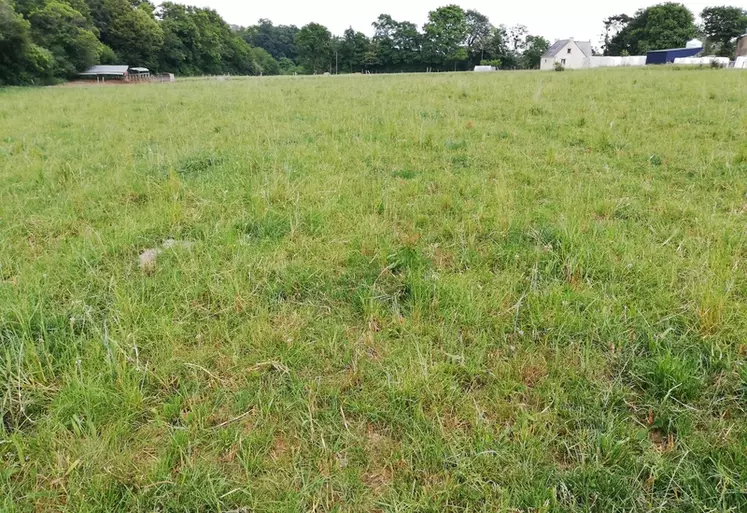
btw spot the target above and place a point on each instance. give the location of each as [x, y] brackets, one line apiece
[553, 19]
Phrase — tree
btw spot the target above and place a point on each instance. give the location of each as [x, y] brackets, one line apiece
[444, 35]
[383, 42]
[612, 27]
[396, 45]
[535, 48]
[14, 44]
[278, 40]
[68, 35]
[198, 41]
[479, 32]
[131, 31]
[668, 25]
[353, 48]
[265, 63]
[408, 42]
[498, 49]
[288, 67]
[722, 25]
[26, 7]
[516, 37]
[314, 44]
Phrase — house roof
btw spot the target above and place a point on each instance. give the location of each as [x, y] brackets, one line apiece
[551, 52]
[118, 70]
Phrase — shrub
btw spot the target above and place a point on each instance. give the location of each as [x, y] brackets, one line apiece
[496, 63]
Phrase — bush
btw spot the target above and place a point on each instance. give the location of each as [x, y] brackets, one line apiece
[40, 65]
[288, 67]
[559, 67]
[267, 65]
[496, 63]
[108, 56]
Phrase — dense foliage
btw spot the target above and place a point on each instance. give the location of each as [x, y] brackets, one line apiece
[722, 25]
[671, 25]
[43, 41]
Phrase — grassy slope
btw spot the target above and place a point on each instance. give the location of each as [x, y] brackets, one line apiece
[498, 292]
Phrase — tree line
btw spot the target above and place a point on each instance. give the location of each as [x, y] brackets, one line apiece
[45, 41]
[671, 25]
[452, 39]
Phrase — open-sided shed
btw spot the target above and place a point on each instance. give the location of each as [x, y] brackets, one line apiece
[107, 71]
[669, 55]
[139, 73]
[121, 72]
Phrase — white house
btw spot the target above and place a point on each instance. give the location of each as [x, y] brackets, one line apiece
[569, 53]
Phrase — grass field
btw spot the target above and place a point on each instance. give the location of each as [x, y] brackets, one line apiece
[458, 292]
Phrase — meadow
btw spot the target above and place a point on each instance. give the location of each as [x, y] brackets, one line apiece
[507, 292]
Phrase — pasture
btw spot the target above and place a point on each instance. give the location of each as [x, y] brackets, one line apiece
[450, 292]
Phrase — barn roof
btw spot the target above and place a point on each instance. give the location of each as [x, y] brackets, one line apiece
[551, 52]
[118, 70]
[674, 50]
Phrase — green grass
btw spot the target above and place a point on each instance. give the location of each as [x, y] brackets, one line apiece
[457, 292]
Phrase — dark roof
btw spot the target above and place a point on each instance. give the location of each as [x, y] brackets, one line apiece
[555, 48]
[675, 49]
[585, 47]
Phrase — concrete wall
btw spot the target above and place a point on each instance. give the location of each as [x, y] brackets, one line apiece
[614, 62]
[573, 60]
[742, 46]
[703, 61]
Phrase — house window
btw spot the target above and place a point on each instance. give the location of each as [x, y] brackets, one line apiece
[562, 61]
[569, 51]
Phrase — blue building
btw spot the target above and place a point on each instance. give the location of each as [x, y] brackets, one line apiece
[668, 56]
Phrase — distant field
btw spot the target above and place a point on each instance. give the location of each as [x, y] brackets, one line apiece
[450, 292]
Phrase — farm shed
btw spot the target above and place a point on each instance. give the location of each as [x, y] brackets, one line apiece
[139, 73]
[669, 55]
[483, 69]
[569, 53]
[106, 71]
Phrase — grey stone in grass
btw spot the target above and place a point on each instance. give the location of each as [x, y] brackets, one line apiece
[147, 259]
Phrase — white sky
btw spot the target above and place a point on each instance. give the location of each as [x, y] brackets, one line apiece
[553, 19]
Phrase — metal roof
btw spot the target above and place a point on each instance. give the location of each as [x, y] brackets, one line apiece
[106, 70]
[674, 49]
[585, 47]
[140, 70]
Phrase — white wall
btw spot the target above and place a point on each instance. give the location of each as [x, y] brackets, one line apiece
[574, 60]
[702, 61]
[614, 62]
